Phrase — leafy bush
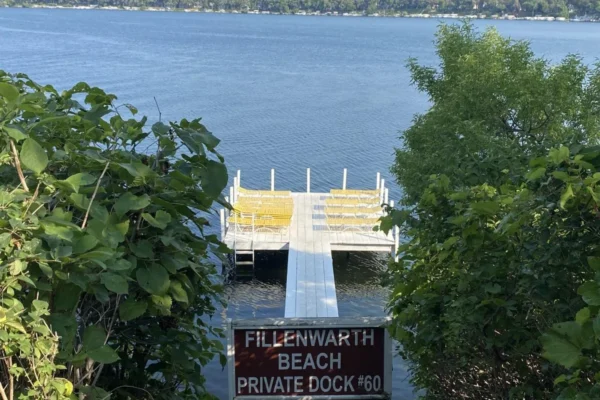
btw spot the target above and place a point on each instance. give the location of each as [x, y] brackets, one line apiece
[106, 270]
[488, 269]
[494, 106]
[500, 218]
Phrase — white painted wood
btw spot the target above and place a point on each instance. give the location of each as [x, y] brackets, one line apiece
[272, 179]
[386, 194]
[345, 179]
[239, 174]
[378, 180]
[235, 189]
[381, 190]
[222, 220]
[307, 180]
[231, 193]
[396, 242]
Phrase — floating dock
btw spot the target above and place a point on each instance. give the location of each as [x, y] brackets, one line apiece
[309, 226]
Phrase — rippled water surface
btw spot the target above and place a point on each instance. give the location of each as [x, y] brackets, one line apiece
[282, 92]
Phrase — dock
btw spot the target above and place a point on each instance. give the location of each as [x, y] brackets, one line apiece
[303, 224]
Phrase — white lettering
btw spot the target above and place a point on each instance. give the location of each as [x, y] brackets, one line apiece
[297, 384]
[296, 361]
[275, 342]
[309, 362]
[370, 336]
[337, 388]
[322, 366]
[325, 384]
[253, 384]
[313, 384]
[284, 361]
[348, 387]
[279, 385]
[316, 338]
[241, 383]
[333, 361]
[343, 337]
[356, 332]
[330, 338]
[301, 337]
[288, 383]
[249, 337]
[287, 338]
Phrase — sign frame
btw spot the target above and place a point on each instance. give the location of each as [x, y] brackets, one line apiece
[310, 323]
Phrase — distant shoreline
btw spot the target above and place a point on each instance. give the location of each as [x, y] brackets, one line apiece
[317, 13]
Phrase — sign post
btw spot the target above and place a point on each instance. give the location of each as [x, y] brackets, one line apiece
[309, 358]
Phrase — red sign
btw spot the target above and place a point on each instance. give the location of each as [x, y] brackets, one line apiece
[300, 361]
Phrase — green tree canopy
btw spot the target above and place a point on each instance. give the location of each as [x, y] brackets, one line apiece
[494, 105]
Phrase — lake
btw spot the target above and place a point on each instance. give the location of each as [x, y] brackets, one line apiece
[284, 92]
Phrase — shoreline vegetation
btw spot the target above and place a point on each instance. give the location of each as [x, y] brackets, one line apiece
[566, 13]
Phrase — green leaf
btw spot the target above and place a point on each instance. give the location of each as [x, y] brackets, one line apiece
[8, 91]
[93, 337]
[535, 174]
[84, 243]
[559, 350]
[33, 156]
[590, 292]
[215, 180]
[154, 280]
[81, 179]
[100, 254]
[119, 265]
[129, 202]
[115, 283]
[132, 309]
[594, 263]
[137, 169]
[17, 266]
[59, 231]
[485, 207]
[39, 305]
[178, 292]
[582, 316]
[161, 219]
[596, 326]
[142, 249]
[104, 354]
[493, 289]
[163, 301]
[567, 194]
[561, 175]
[15, 132]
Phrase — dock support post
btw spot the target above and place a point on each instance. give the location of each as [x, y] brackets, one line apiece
[307, 180]
[228, 214]
[381, 190]
[235, 189]
[378, 180]
[231, 201]
[239, 173]
[385, 195]
[344, 180]
[222, 217]
[272, 179]
[396, 242]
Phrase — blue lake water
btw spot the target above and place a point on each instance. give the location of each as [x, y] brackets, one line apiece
[284, 92]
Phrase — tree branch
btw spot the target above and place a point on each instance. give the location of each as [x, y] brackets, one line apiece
[87, 213]
[18, 166]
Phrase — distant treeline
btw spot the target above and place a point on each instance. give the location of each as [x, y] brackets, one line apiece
[558, 8]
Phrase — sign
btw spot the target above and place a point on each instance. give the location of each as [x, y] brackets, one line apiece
[310, 358]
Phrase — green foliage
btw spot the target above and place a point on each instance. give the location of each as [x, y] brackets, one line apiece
[494, 106]
[106, 270]
[487, 268]
[558, 8]
[501, 221]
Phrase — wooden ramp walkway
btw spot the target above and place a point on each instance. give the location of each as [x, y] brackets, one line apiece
[310, 289]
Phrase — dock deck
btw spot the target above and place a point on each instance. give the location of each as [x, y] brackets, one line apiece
[310, 288]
